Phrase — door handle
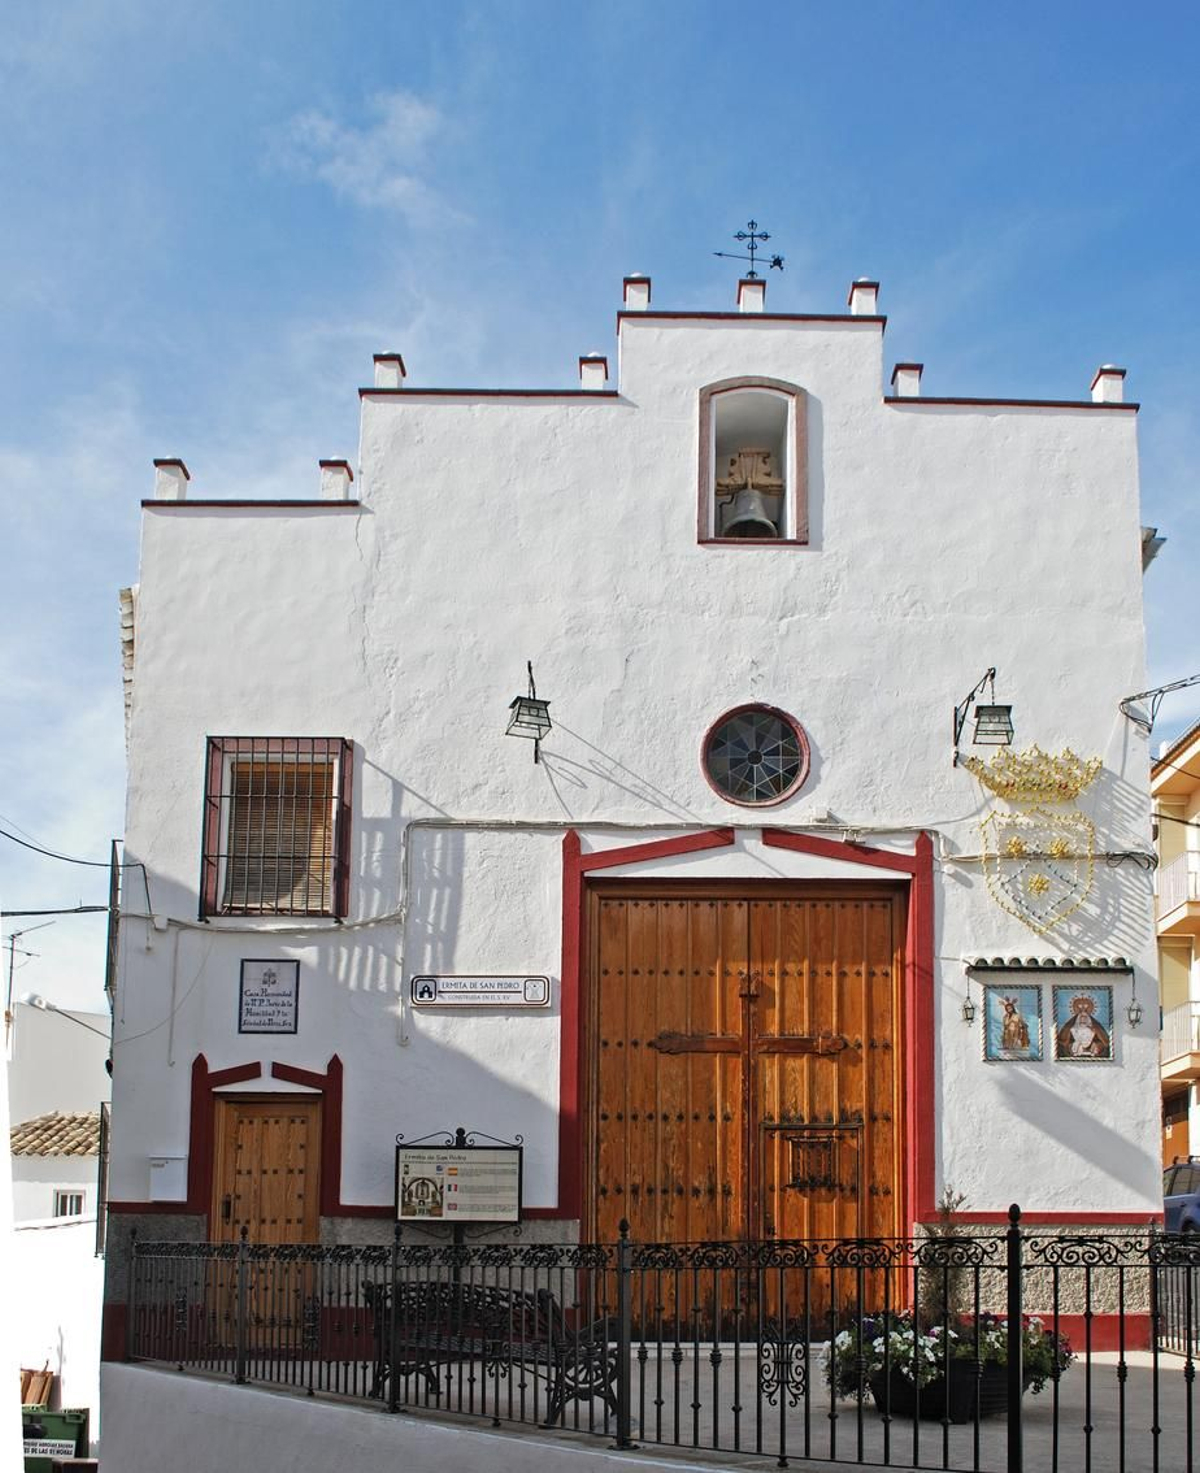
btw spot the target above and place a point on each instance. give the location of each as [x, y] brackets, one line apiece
[227, 1209]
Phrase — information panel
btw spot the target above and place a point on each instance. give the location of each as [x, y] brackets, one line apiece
[481, 992]
[453, 1184]
[269, 996]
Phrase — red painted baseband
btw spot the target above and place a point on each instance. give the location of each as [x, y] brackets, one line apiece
[1108, 1331]
[114, 1332]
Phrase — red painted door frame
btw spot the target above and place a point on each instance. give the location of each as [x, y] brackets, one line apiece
[920, 1133]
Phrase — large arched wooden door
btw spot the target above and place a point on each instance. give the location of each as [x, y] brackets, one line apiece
[745, 1052]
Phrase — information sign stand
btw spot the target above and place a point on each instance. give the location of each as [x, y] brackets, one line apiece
[458, 1179]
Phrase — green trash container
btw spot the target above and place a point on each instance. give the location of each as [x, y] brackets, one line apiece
[50, 1435]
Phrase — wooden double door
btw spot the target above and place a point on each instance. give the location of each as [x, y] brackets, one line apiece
[746, 1062]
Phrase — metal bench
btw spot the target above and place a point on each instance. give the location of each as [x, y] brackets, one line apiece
[440, 1323]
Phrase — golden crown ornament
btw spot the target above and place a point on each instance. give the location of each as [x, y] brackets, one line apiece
[1039, 862]
[1034, 776]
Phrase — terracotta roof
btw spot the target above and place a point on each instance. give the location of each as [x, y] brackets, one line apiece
[1162, 763]
[58, 1135]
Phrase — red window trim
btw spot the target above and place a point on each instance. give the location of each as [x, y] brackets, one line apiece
[339, 749]
[798, 470]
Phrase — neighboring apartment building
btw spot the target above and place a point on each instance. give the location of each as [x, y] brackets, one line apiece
[742, 946]
[1175, 785]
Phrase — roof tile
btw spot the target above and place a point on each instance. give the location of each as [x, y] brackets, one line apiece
[58, 1135]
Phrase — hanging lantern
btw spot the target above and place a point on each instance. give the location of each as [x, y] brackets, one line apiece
[993, 726]
[993, 723]
[529, 717]
[968, 1007]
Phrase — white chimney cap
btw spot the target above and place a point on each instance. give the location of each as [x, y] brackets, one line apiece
[390, 371]
[1108, 384]
[336, 479]
[170, 480]
[636, 292]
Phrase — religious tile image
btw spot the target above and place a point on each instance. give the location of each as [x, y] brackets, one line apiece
[1012, 1023]
[1083, 1022]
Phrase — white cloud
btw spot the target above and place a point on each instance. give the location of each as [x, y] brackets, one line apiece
[377, 166]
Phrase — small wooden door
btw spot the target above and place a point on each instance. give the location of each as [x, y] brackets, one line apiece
[746, 1078]
[266, 1173]
[265, 1179]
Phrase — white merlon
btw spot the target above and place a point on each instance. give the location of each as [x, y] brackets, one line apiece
[637, 292]
[906, 380]
[752, 294]
[1108, 386]
[863, 300]
[336, 479]
[390, 372]
[593, 371]
[170, 480]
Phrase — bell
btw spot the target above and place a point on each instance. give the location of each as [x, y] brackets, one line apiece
[748, 517]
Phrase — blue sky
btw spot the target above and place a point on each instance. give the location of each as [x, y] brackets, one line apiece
[212, 215]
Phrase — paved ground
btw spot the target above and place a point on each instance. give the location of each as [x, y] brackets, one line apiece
[1099, 1429]
[1120, 1439]
[1102, 1427]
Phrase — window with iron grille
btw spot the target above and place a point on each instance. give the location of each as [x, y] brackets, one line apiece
[276, 826]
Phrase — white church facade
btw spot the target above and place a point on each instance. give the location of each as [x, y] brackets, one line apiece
[820, 894]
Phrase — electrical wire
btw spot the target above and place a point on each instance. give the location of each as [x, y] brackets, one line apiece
[67, 858]
[88, 863]
[1174, 766]
[74, 910]
[195, 982]
[1188, 823]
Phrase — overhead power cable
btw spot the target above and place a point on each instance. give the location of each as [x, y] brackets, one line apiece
[89, 863]
[65, 858]
[70, 910]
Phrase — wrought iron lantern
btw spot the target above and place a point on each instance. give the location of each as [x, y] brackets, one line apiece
[1134, 1012]
[993, 726]
[968, 1007]
[993, 723]
[530, 717]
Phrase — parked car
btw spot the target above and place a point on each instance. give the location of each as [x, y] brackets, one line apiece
[1181, 1196]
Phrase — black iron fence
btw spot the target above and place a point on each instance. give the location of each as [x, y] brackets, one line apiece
[995, 1351]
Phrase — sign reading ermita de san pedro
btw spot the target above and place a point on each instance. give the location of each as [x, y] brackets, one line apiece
[480, 992]
[455, 1184]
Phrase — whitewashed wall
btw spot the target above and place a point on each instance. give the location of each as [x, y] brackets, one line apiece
[37, 1178]
[53, 1289]
[56, 1063]
[944, 539]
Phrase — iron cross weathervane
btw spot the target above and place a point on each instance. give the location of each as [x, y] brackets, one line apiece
[753, 234]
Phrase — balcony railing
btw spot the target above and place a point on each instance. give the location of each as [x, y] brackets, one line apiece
[1180, 1032]
[1178, 882]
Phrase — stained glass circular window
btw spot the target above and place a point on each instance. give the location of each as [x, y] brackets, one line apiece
[756, 755]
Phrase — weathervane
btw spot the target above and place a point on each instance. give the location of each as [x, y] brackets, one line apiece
[753, 234]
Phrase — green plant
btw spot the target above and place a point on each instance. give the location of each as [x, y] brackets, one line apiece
[943, 1284]
[880, 1344]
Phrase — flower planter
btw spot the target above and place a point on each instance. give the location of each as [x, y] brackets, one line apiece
[939, 1399]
